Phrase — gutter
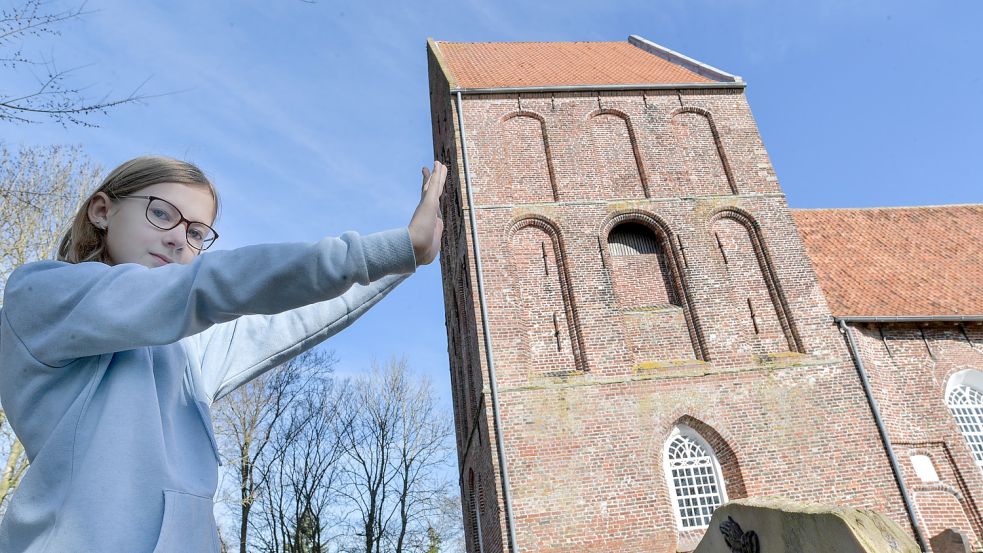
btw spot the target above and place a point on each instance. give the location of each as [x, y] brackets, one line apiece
[858, 362]
[597, 87]
[490, 358]
[915, 319]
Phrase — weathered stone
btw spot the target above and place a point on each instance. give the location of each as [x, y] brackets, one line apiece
[775, 525]
[950, 540]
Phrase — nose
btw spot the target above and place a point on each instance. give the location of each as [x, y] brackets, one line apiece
[176, 237]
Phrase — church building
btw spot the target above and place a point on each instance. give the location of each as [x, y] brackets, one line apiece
[640, 329]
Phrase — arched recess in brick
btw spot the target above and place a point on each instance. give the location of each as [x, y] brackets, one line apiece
[618, 162]
[528, 162]
[730, 466]
[467, 363]
[457, 357]
[548, 314]
[940, 507]
[762, 310]
[474, 517]
[648, 282]
[946, 502]
[701, 151]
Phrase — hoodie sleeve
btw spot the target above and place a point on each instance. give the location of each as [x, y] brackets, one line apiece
[234, 353]
[63, 311]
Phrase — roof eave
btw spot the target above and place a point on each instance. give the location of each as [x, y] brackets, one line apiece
[598, 87]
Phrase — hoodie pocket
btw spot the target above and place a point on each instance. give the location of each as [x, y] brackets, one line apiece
[188, 524]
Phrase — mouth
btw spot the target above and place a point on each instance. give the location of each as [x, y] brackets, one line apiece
[163, 259]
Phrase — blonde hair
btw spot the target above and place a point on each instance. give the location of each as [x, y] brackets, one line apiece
[86, 242]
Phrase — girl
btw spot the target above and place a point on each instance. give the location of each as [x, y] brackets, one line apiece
[111, 356]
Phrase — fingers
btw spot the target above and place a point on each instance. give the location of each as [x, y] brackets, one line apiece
[438, 177]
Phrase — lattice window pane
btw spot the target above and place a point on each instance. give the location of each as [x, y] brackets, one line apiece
[632, 239]
[694, 479]
[966, 405]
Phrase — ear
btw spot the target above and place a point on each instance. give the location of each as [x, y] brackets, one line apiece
[98, 210]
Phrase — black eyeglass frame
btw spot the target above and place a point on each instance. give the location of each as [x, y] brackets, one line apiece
[181, 219]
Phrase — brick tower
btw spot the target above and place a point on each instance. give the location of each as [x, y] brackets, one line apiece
[635, 332]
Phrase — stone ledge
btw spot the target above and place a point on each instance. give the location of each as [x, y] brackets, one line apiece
[664, 370]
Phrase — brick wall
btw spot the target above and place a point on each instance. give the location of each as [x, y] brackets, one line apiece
[909, 367]
[593, 370]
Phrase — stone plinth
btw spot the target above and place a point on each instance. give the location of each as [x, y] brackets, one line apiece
[773, 525]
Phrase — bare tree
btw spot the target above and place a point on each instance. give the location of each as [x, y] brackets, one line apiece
[300, 497]
[445, 532]
[261, 419]
[40, 189]
[35, 87]
[396, 443]
[351, 465]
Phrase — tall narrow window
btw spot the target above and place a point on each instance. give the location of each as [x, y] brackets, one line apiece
[649, 291]
[478, 543]
[966, 404]
[642, 277]
[695, 482]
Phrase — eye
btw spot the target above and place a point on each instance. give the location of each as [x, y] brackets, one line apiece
[196, 234]
[161, 214]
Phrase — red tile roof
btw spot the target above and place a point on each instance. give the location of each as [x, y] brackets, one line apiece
[521, 64]
[904, 262]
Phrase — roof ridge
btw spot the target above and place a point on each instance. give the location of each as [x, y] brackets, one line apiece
[535, 42]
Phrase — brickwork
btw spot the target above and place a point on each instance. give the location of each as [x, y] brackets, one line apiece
[723, 329]
[909, 367]
[698, 146]
[475, 445]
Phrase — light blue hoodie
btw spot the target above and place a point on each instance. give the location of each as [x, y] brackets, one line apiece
[107, 374]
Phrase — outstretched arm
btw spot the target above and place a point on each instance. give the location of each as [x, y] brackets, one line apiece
[63, 311]
[234, 353]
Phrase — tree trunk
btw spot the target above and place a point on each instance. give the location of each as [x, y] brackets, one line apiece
[14, 469]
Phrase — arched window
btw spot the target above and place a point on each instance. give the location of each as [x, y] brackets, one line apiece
[642, 276]
[632, 239]
[694, 477]
[965, 400]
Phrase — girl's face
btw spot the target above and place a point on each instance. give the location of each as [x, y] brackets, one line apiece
[131, 238]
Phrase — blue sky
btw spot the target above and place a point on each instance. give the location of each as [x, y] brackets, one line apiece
[313, 118]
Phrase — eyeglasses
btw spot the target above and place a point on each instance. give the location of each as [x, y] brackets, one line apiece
[165, 216]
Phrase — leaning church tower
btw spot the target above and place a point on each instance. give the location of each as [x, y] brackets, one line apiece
[635, 332]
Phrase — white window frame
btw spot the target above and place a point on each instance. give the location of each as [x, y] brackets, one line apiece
[972, 379]
[717, 473]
